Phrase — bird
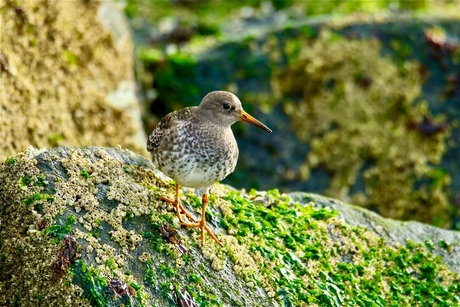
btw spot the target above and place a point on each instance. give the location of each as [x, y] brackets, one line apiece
[195, 147]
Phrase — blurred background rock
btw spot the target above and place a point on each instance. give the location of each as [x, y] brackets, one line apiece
[66, 76]
[363, 96]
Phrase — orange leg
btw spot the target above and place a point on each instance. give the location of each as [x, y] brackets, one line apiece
[178, 205]
[202, 223]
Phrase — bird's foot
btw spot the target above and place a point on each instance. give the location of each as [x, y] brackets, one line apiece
[202, 225]
[179, 208]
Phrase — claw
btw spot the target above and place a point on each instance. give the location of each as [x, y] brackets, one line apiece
[200, 224]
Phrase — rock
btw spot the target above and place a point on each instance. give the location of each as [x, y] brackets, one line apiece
[84, 226]
[67, 77]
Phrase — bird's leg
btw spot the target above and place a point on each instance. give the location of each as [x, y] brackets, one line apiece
[178, 205]
[202, 223]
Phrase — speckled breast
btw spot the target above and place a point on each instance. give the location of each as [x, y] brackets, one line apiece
[198, 157]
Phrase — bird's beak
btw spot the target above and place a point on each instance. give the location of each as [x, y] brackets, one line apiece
[249, 119]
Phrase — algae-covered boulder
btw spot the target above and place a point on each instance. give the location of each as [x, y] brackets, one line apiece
[66, 76]
[84, 226]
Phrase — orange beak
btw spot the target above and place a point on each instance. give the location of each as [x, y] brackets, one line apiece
[249, 119]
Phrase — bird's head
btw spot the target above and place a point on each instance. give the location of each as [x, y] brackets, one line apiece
[224, 108]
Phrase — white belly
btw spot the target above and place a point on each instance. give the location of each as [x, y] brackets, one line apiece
[197, 178]
[192, 174]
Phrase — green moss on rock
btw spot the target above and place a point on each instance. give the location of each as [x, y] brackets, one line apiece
[309, 257]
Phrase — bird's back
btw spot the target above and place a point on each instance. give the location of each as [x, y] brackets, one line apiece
[168, 123]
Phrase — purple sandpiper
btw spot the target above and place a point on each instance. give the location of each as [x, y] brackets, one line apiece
[195, 147]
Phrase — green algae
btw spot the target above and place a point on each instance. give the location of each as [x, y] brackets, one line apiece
[298, 256]
[94, 284]
[96, 288]
[150, 275]
[38, 197]
[10, 160]
[60, 231]
[84, 174]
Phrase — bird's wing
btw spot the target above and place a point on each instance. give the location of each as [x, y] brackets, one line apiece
[168, 122]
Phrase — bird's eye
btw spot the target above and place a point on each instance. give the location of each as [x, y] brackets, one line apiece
[226, 106]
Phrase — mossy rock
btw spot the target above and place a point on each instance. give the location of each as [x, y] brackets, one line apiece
[83, 227]
[67, 77]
